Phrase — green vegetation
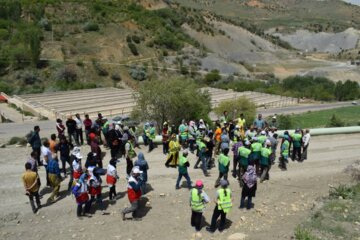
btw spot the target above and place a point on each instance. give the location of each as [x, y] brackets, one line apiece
[317, 88]
[237, 106]
[17, 140]
[338, 217]
[349, 116]
[171, 100]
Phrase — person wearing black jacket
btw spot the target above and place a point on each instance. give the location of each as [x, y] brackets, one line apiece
[71, 129]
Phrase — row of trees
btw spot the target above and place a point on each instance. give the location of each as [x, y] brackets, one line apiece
[318, 88]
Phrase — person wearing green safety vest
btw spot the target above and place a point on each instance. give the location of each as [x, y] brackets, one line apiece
[223, 206]
[297, 143]
[244, 153]
[262, 138]
[105, 130]
[224, 164]
[183, 132]
[198, 199]
[256, 153]
[152, 135]
[183, 164]
[202, 157]
[265, 161]
[284, 153]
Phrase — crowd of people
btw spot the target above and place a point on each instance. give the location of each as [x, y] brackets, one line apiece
[253, 145]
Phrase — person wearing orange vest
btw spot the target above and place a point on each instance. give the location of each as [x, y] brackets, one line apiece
[134, 193]
[80, 191]
[112, 177]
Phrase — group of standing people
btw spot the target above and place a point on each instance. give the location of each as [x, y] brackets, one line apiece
[254, 152]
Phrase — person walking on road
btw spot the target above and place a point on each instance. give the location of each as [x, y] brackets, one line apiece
[249, 189]
[284, 153]
[112, 177]
[35, 142]
[60, 128]
[134, 193]
[223, 206]
[174, 148]
[144, 167]
[182, 168]
[71, 129]
[54, 179]
[198, 199]
[79, 130]
[297, 142]
[265, 164]
[224, 164]
[305, 141]
[31, 184]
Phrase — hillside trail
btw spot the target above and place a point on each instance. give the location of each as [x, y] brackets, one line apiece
[281, 203]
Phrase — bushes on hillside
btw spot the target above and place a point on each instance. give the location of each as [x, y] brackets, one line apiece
[66, 74]
[318, 88]
[133, 49]
[91, 27]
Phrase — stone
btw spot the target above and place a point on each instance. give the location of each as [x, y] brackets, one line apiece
[162, 194]
[243, 218]
[74, 235]
[237, 236]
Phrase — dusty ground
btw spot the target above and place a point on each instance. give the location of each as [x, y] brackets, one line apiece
[280, 205]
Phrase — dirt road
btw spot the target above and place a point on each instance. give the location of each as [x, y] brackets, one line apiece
[280, 204]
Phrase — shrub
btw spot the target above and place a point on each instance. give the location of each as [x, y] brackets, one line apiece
[99, 69]
[136, 39]
[285, 122]
[91, 27]
[6, 88]
[29, 78]
[128, 39]
[116, 77]
[133, 49]
[335, 122]
[45, 24]
[212, 76]
[17, 140]
[303, 234]
[4, 34]
[66, 74]
[342, 191]
[138, 73]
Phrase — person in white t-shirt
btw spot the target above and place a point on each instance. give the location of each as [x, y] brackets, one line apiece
[79, 132]
[46, 157]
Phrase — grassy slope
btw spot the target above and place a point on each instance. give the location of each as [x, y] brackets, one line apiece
[288, 13]
[350, 115]
[338, 218]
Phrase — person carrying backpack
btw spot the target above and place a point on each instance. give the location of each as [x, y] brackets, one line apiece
[35, 141]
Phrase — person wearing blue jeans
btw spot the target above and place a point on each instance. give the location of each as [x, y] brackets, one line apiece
[183, 164]
[202, 158]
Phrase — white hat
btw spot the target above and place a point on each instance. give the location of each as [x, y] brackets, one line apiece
[117, 127]
[267, 142]
[247, 142]
[75, 150]
[136, 170]
[263, 133]
[274, 117]
[78, 155]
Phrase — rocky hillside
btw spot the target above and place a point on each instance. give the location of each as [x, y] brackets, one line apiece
[56, 45]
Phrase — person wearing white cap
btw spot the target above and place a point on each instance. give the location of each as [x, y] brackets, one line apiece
[134, 193]
[262, 138]
[265, 161]
[76, 169]
[244, 153]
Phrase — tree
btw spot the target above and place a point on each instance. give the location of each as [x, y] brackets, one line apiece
[237, 106]
[171, 100]
[285, 122]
